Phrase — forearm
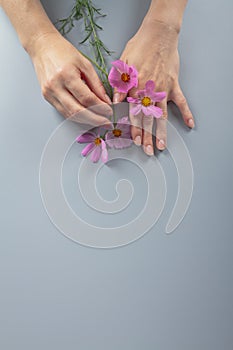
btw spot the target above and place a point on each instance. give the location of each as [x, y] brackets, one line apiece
[29, 19]
[169, 12]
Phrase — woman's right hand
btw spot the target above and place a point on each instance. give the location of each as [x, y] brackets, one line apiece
[68, 80]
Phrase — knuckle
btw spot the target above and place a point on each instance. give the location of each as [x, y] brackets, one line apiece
[65, 70]
[87, 100]
[66, 114]
[148, 121]
[47, 89]
[88, 66]
[44, 92]
[73, 112]
[49, 86]
[165, 114]
[181, 99]
[99, 86]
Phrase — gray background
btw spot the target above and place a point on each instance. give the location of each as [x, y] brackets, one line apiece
[161, 292]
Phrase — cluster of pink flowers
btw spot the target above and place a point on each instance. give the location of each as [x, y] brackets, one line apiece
[119, 137]
[123, 78]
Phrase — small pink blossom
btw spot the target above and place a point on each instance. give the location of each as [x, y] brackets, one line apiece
[120, 136]
[123, 77]
[96, 147]
[146, 100]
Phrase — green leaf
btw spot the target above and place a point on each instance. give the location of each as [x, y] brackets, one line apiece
[87, 37]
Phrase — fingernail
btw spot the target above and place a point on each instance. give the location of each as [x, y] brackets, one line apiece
[110, 111]
[162, 144]
[191, 123]
[138, 141]
[102, 109]
[149, 150]
[116, 97]
[107, 99]
[108, 126]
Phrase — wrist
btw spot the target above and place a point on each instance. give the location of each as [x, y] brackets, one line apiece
[43, 39]
[167, 12]
[153, 24]
[158, 33]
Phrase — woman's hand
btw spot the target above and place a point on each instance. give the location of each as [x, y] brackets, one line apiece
[68, 80]
[153, 51]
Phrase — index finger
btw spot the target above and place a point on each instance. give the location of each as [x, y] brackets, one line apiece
[86, 97]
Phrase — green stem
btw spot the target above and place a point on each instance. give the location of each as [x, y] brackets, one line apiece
[95, 63]
[84, 9]
[96, 39]
[114, 115]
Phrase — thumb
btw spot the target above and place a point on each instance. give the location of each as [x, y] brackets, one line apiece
[118, 96]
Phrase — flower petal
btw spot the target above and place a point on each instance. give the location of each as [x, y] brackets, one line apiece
[135, 110]
[146, 111]
[150, 85]
[118, 143]
[125, 128]
[86, 137]
[133, 76]
[110, 142]
[124, 143]
[121, 66]
[114, 77]
[132, 83]
[87, 149]
[123, 120]
[127, 134]
[158, 96]
[109, 135]
[133, 71]
[115, 73]
[133, 100]
[122, 86]
[142, 93]
[96, 153]
[154, 111]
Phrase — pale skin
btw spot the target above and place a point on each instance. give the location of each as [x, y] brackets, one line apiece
[153, 51]
[69, 82]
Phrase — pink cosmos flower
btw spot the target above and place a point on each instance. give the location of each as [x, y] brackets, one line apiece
[146, 99]
[96, 146]
[123, 77]
[120, 136]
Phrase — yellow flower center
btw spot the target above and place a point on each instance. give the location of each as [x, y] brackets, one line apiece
[97, 141]
[125, 77]
[146, 101]
[117, 132]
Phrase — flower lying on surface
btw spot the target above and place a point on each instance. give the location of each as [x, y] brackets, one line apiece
[146, 99]
[123, 77]
[96, 146]
[120, 136]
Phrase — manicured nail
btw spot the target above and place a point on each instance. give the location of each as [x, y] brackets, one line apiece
[116, 97]
[149, 150]
[191, 123]
[162, 144]
[138, 141]
[107, 99]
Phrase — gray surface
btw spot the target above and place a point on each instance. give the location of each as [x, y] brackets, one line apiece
[163, 292]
